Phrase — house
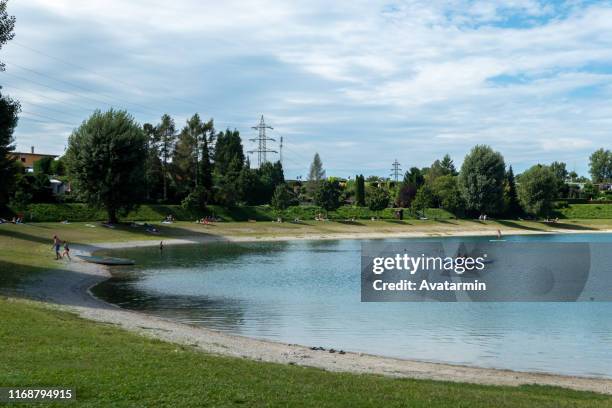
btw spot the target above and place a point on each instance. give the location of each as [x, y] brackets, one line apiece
[28, 159]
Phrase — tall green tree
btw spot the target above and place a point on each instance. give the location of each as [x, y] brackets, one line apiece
[482, 180]
[559, 169]
[328, 194]
[600, 166]
[445, 190]
[537, 190]
[153, 165]
[415, 177]
[166, 131]
[283, 197]
[185, 163]
[512, 206]
[205, 167]
[316, 175]
[105, 160]
[9, 111]
[360, 190]
[231, 174]
[377, 199]
[439, 168]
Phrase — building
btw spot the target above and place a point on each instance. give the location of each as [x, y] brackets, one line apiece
[28, 159]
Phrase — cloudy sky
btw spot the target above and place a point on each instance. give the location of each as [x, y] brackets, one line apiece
[360, 82]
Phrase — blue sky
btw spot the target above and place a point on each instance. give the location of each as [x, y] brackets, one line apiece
[360, 82]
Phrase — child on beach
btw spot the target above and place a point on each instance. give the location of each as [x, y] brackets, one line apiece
[56, 246]
[66, 252]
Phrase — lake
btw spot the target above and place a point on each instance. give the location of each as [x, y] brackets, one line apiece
[308, 292]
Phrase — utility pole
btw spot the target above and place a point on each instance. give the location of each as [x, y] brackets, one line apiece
[396, 170]
[261, 140]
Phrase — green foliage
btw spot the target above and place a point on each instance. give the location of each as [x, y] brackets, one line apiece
[44, 166]
[600, 166]
[424, 199]
[360, 190]
[327, 195]
[229, 154]
[105, 158]
[196, 200]
[9, 109]
[283, 197]
[58, 167]
[512, 206]
[439, 168]
[481, 180]
[537, 190]
[166, 135]
[445, 190]
[559, 169]
[414, 177]
[377, 199]
[589, 191]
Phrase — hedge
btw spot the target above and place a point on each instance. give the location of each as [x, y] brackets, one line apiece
[81, 212]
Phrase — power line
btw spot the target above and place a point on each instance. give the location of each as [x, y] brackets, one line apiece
[262, 140]
[396, 170]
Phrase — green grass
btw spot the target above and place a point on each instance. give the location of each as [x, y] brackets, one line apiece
[110, 367]
[586, 211]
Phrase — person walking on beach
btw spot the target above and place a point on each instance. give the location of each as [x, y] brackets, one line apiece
[56, 246]
[66, 252]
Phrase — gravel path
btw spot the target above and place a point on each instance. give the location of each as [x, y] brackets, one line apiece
[69, 290]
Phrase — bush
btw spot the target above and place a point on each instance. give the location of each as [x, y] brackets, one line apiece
[157, 212]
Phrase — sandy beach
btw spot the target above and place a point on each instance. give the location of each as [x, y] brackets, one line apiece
[71, 291]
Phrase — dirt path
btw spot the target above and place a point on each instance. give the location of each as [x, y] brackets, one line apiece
[69, 290]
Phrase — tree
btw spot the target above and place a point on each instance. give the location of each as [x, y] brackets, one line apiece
[185, 156]
[405, 195]
[153, 165]
[481, 180]
[167, 138]
[360, 190]
[537, 189]
[58, 167]
[205, 172]
[600, 166]
[229, 153]
[512, 206]
[446, 194]
[327, 195]
[105, 160]
[231, 174]
[559, 169]
[415, 177]
[7, 24]
[316, 174]
[424, 199]
[43, 166]
[439, 168]
[377, 199]
[9, 110]
[283, 197]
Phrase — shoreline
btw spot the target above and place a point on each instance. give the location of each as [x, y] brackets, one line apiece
[72, 292]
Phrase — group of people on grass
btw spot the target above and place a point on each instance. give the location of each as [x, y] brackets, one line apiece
[57, 245]
[15, 220]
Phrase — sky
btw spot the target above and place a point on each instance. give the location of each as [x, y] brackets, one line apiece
[360, 82]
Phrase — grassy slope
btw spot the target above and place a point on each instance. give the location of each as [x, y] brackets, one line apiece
[110, 367]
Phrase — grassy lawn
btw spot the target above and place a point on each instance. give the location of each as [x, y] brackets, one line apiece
[111, 367]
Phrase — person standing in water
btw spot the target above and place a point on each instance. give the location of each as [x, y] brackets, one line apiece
[499, 234]
[161, 246]
[66, 252]
[56, 246]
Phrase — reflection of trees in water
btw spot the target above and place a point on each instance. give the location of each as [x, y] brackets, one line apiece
[219, 313]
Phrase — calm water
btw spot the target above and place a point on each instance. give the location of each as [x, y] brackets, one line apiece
[308, 292]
